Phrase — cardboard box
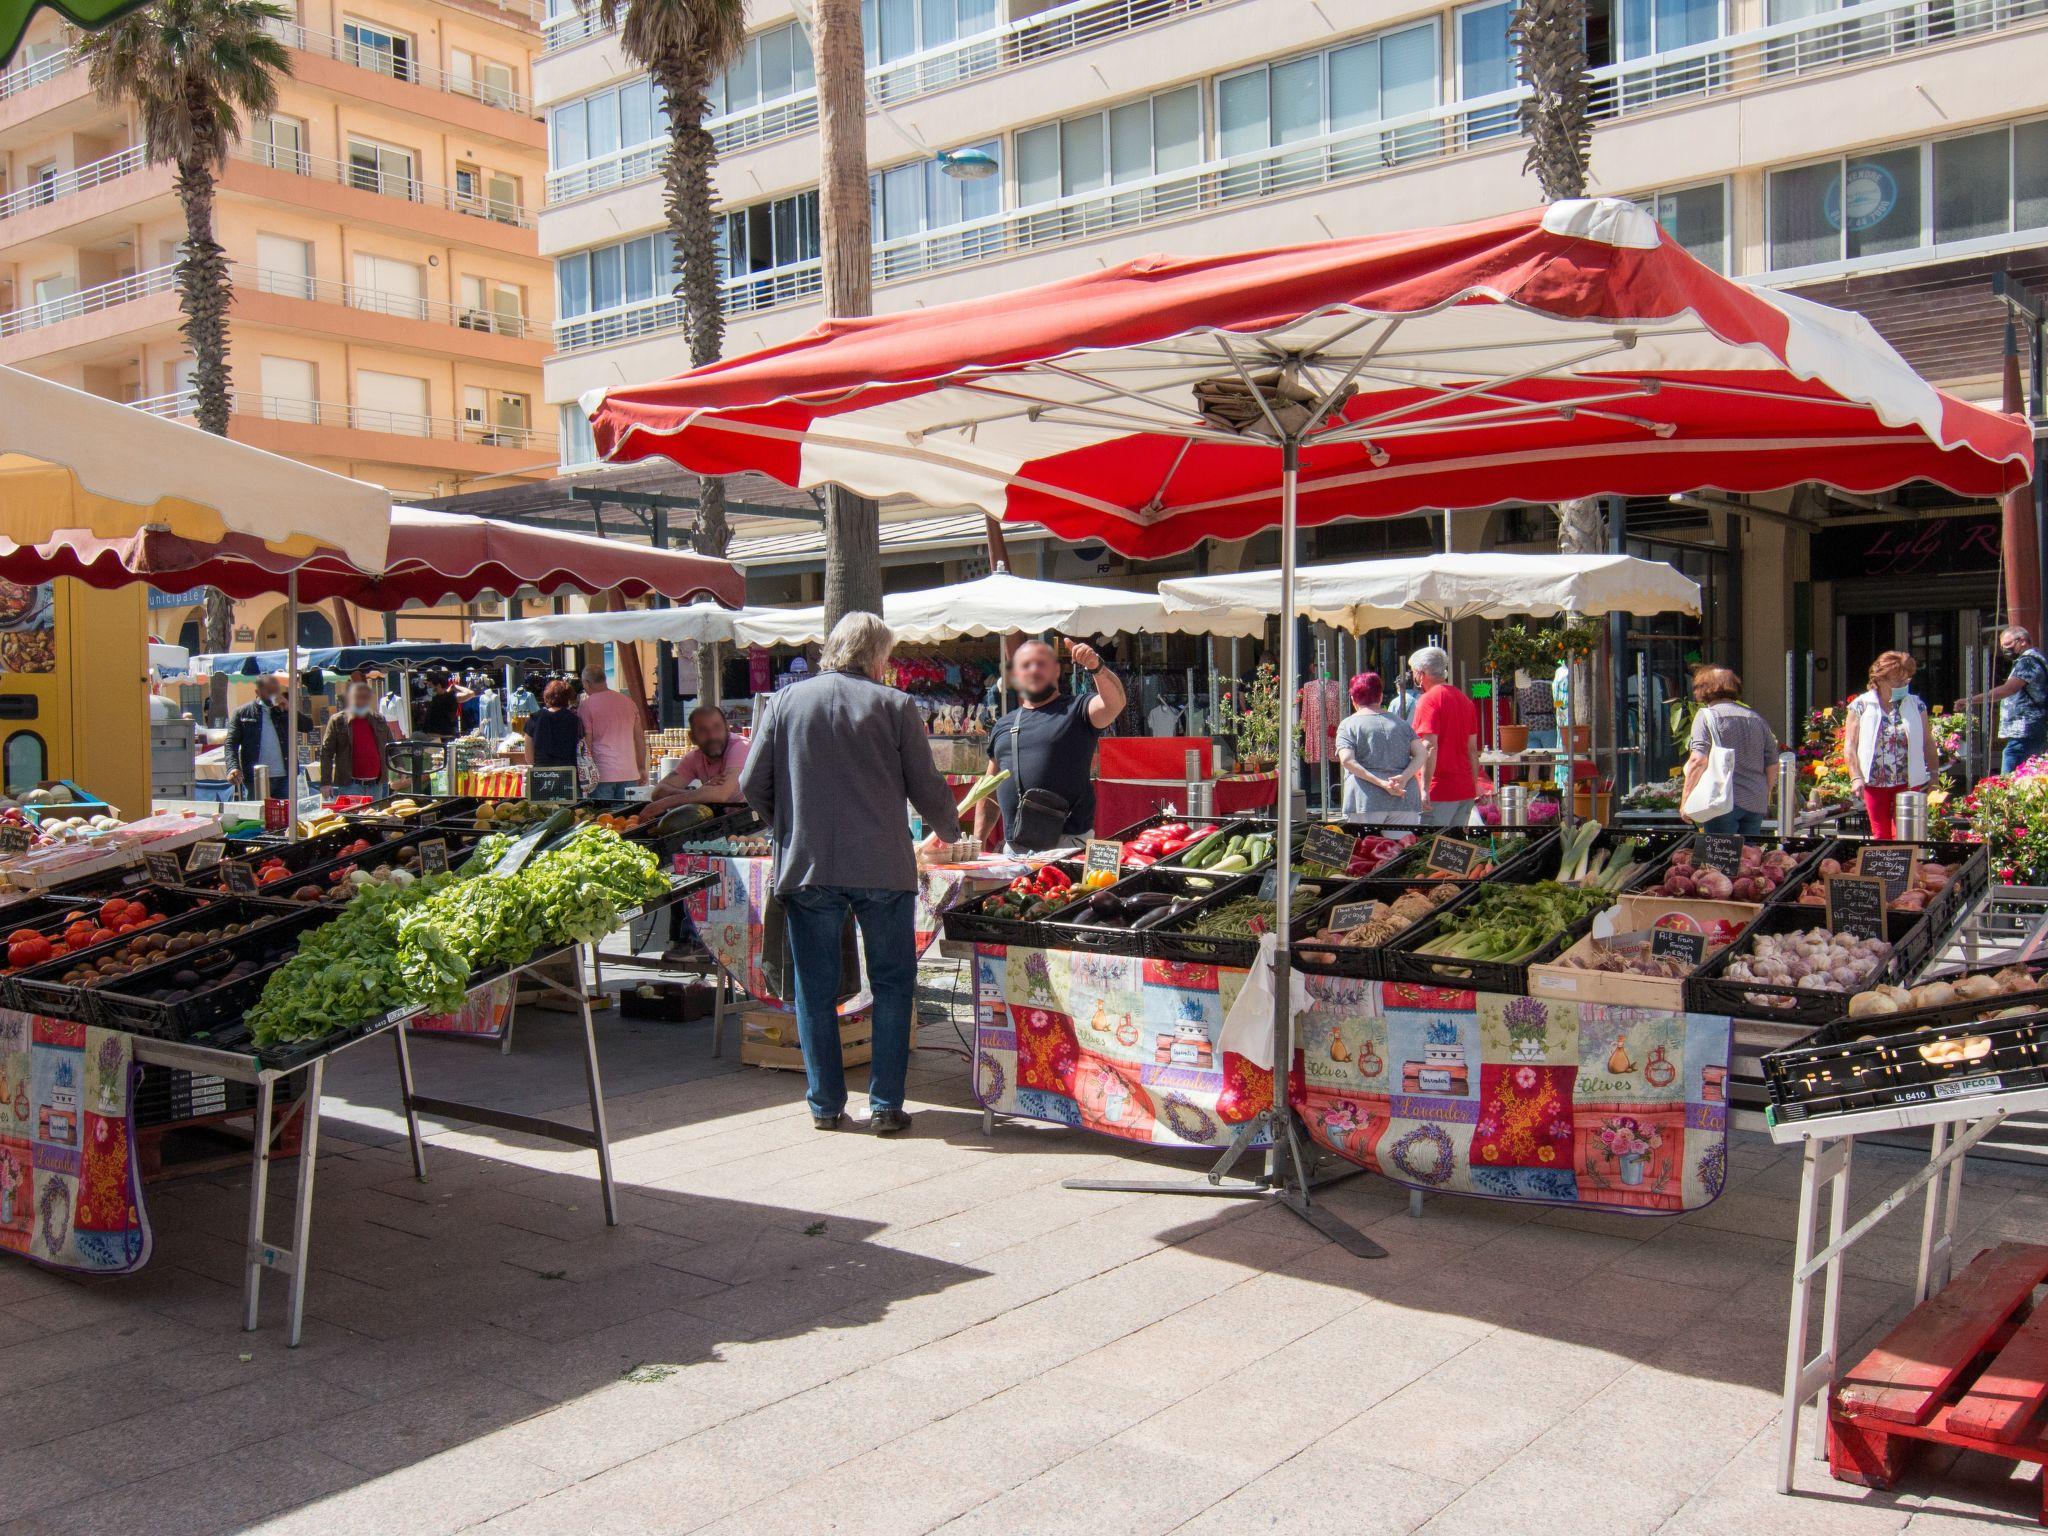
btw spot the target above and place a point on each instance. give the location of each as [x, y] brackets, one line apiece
[1560, 981]
[768, 1038]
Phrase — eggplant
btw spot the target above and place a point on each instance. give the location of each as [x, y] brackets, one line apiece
[1105, 903]
[1146, 900]
[1155, 917]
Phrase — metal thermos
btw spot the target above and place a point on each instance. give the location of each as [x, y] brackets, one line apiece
[1514, 805]
[1201, 797]
[1788, 792]
[262, 781]
[1911, 811]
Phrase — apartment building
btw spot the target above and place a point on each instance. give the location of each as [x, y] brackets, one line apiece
[1890, 150]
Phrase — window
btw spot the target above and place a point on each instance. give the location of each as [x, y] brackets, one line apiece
[284, 266]
[280, 143]
[27, 761]
[290, 389]
[1334, 91]
[376, 47]
[491, 305]
[578, 446]
[895, 29]
[493, 194]
[385, 168]
[771, 235]
[1697, 218]
[1973, 187]
[44, 179]
[774, 64]
[486, 79]
[623, 117]
[613, 275]
[1486, 66]
[390, 402]
[1629, 29]
[1139, 139]
[386, 285]
[910, 199]
[494, 417]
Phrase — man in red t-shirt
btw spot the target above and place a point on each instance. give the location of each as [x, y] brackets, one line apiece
[352, 750]
[1448, 724]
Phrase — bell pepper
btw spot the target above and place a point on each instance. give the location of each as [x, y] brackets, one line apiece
[1053, 878]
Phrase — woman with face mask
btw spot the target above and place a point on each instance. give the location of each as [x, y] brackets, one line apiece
[352, 750]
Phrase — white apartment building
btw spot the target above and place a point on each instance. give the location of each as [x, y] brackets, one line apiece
[1886, 154]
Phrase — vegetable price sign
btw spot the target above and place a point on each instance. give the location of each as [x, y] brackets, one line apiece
[1329, 846]
[1105, 855]
[15, 840]
[240, 877]
[1896, 864]
[1722, 853]
[1453, 856]
[206, 855]
[551, 783]
[1352, 914]
[434, 856]
[1686, 946]
[1856, 905]
[164, 868]
[1269, 885]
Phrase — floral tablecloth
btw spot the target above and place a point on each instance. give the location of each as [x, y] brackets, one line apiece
[70, 1193]
[728, 915]
[1624, 1109]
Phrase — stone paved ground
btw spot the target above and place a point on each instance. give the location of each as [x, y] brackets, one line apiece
[797, 1333]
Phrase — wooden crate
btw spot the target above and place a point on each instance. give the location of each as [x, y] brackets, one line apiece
[768, 1038]
[1562, 982]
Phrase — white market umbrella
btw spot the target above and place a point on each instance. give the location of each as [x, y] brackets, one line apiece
[1364, 595]
[703, 623]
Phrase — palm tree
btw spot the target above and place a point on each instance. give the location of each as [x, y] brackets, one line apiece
[192, 69]
[853, 549]
[685, 45]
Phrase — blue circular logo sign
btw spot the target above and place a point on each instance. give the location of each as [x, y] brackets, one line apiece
[1864, 197]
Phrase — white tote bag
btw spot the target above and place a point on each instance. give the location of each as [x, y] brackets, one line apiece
[1713, 793]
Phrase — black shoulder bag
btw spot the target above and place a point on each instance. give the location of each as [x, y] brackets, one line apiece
[1041, 815]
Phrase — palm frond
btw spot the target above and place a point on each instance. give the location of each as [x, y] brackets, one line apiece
[192, 70]
[1550, 46]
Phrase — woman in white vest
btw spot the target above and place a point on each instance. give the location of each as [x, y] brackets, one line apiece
[1889, 742]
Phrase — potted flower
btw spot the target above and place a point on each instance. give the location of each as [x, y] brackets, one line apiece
[1510, 652]
[1255, 726]
[1629, 1142]
[10, 1186]
[1571, 640]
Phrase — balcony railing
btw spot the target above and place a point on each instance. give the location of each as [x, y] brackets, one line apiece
[370, 178]
[26, 77]
[329, 413]
[384, 62]
[1874, 30]
[88, 301]
[94, 173]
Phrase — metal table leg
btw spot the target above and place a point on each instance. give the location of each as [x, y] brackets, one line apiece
[259, 1193]
[412, 1115]
[717, 1012]
[597, 1125]
[1821, 1162]
[302, 1210]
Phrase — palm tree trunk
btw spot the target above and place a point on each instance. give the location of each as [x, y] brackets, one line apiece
[205, 290]
[853, 548]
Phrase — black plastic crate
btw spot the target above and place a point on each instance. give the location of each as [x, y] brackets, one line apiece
[124, 1003]
[1360, 827]
[972, 922]
[42, 989]
[1915, 1057]
[1518, 868]
[1401, 960]
[168, 902]
[43, 913]
[1064, 932]
[1172, 941]
[1708, 990]
[1653, 853]
[1160, 818]
[432, 808]
[295, 856]
[1969, 866]
[173, 1096]
[1806, 854]
[1358, 963]
[1248, 826]
[378, 856]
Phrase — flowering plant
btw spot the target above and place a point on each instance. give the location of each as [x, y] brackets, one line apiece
[1824, 757]
[1255, 720]
[1626, 1136]
[1661, 795]
[2010, 814]
[10, 1173]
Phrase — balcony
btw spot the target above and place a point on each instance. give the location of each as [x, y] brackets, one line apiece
[369, 178]
[55, 188]
[88, 301]
[184, 403]
[378, 61]
[26, 77]
[398, 306]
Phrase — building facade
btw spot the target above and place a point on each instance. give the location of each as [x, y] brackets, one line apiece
[1784, 142]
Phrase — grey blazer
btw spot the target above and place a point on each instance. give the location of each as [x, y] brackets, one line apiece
[829, 769]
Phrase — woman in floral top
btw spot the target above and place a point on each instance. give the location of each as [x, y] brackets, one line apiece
[1889, 741]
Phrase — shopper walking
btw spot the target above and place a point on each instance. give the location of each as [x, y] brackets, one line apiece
[1448, 724]
[1723, 720]
[830, 769]
[1048, 745]
[553, 730]
[1381, 756]
[256, 736]
[1889, 741]
[352, 748]
[2022, 699]
[617, 734]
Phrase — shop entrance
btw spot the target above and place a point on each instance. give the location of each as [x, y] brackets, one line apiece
[1936, 638]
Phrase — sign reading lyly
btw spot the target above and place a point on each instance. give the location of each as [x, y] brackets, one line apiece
[1856, 905]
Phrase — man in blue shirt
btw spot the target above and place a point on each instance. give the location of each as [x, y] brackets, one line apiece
[256, 737]
[2022, 698]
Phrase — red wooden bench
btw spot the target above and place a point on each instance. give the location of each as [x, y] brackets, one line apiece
[1968, 1368]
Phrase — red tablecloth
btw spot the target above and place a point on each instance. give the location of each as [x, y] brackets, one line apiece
[1120, 802]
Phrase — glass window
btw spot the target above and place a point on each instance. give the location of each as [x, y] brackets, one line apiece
[636, 112]
[1038, 165]
[1130, 141]
[1297, 96]
[743, 80]
[1176, 129]
[27, 761]
[1972, 186]
[1408, 64]
[1241, 112]
[938, 23]
[1697, 218]
[578, 446]
[607, 278]
[2030, 175]
[572, 285]
[902, 201]
[1879, 203]
[1805, 215]
[1486, 59]
[777, 80]
[1354, 85]
[1302, 98]
[639, 258]
[604, 124]
[1082, 163]
[569, 138]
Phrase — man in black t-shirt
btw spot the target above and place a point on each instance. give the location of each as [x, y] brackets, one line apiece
[1048, 743]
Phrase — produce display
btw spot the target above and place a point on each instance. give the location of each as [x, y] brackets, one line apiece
[1499, 850]
[1245, 917]
[503, 815]
[52, 830]
[1165, 841]
[343, 972]
[752, 846]
[1032, 896]
[1812, 959]
[1606, 869]
[149, 948]
[27, 947]
[1388, 920]
[342, 884]
[1133, 909]
[1506, 924]
[1929, 880]
[1979, 988]
[1762, 872]
[1231, 855]
[1372, 852]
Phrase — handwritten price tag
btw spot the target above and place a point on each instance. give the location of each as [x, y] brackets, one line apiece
[1453, 856]
[1722, 853]
[163, 868]
[1104, 854]
[1896, 864]
[205, 856]
[1856, 905]
[15, 840]
[240, 877]
[1679, 944]
[434, 856]
[1331, 847]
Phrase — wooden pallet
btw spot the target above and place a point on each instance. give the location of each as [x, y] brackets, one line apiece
[1967, 1368]
[177, 1149]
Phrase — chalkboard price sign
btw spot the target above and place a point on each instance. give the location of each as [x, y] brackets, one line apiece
[1689, 948]
[1331, 847]
[551, 783]
[1896, 864]
[1453, 855]
[1352, 914]
[1856, 906]
[205, 856]
[434, 856]
[240, 877]
[1722, 853]
[15, 840]
[163, 868]
[1104, 855]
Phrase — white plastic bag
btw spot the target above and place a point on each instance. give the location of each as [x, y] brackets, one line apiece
[1248, 1027]
[1713, 792]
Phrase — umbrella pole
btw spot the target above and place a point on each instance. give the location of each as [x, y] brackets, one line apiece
[291, 705]
[1282, 1155]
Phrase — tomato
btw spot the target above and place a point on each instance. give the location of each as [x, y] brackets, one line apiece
[101, 935]
[33, 950]
[110, 912]
[19, 934]
[78, 933]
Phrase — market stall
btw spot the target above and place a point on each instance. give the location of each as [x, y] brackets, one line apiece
[1568, 351]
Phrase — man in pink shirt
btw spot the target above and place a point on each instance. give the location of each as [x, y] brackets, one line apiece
[617, 735]
[712, 765]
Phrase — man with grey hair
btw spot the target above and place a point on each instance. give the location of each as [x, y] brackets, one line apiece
[2022, 699]
[829, 770]
[617, 735]
[1447, 724]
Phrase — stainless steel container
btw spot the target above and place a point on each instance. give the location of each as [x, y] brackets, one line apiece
[1788, 792]
[1912, 816]
[1514, 805]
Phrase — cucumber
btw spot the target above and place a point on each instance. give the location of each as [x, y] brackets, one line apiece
[1235, 864]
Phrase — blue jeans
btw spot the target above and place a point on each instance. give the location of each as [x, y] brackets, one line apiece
[817, 918]
[2020, 748]
[1735, 824]
[610, 789]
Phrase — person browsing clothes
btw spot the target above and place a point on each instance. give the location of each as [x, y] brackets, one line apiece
[1048, 745]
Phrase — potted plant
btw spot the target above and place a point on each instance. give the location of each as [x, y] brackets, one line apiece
[1629, 1142]
[1255, 728]
[1571, 640]
[1510, 652]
